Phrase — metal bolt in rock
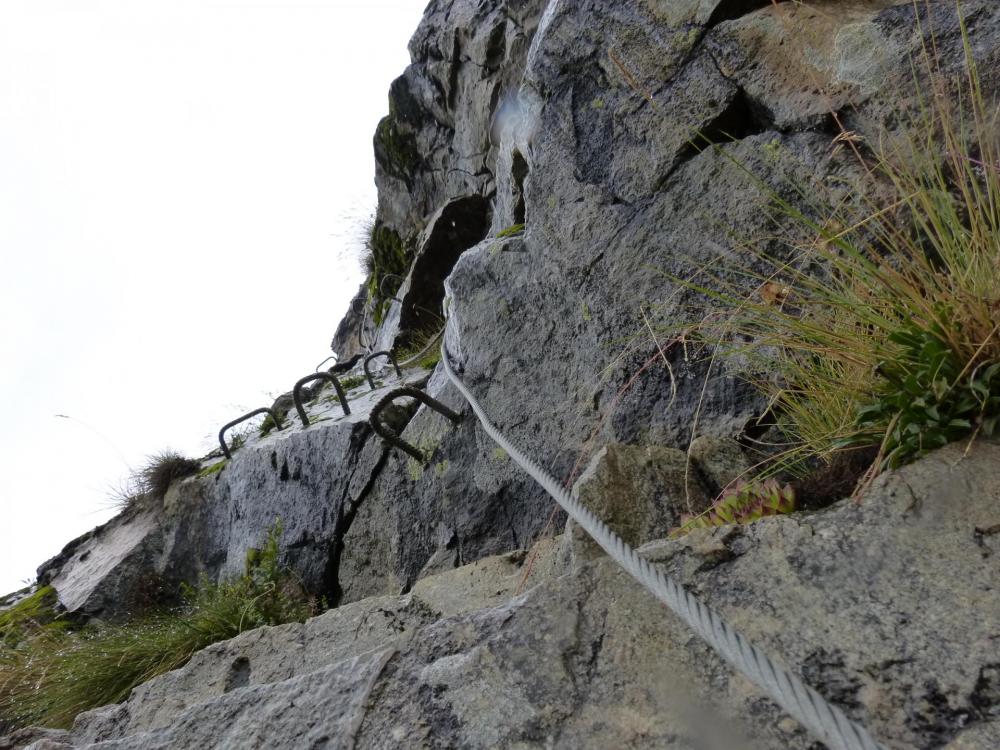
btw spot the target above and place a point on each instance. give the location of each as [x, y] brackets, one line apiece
[297, 394]
[318, 367]
[244, 418]
[370, 357]
[391, 437]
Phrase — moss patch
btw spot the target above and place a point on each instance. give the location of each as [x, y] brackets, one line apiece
[512, 231]
[387, 262]
[213, 469]
[349, 384]
[396, 150]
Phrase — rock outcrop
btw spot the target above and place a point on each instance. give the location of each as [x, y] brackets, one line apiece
[311, 479]
[593, 154]
[544, 172]
[889, 608]
[576, 122]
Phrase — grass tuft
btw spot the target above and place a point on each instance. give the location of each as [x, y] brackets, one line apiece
[351, 382]
[163, 469]
[54, 675]
[422, 350]
[881, 329]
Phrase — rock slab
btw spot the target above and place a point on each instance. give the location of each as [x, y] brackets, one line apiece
[889, 608]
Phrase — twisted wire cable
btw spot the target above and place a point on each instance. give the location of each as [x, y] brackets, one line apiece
[427, 347]
[826, 721]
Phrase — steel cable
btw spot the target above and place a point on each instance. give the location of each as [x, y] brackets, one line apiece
[826, 721]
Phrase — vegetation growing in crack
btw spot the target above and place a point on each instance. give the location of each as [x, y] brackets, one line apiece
[213, 469]
[512, 231]
[350, 383]
[743, 502]
[49, 675]
[880, 331]
[386, 261]
[267, 425]
[423, 349]
[163, 469]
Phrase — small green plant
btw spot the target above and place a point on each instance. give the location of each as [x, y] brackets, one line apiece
[267, 425]
[512, 231]
[238, 436]
[929, 397]
[744, 502]
[350, 383]
[49, 678]
[423, 346]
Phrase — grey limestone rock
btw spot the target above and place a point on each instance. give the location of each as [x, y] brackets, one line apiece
[889, 608]
[311, 479]
[641, 492]
[597, 151]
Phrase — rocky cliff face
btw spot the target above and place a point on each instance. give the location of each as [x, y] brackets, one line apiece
[575, 119]
[890, 608]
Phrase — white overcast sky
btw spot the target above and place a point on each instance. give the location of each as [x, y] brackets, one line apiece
[181, 184]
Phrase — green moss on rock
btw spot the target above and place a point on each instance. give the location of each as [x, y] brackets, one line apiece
[33, 613]
[213, 469]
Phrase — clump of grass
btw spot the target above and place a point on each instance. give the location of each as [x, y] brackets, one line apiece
[422, 350]
[881, 329]
[50, 678]
[163, 469]
[151, 482]
[266, 425]
[239, 436]
[31, 615]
